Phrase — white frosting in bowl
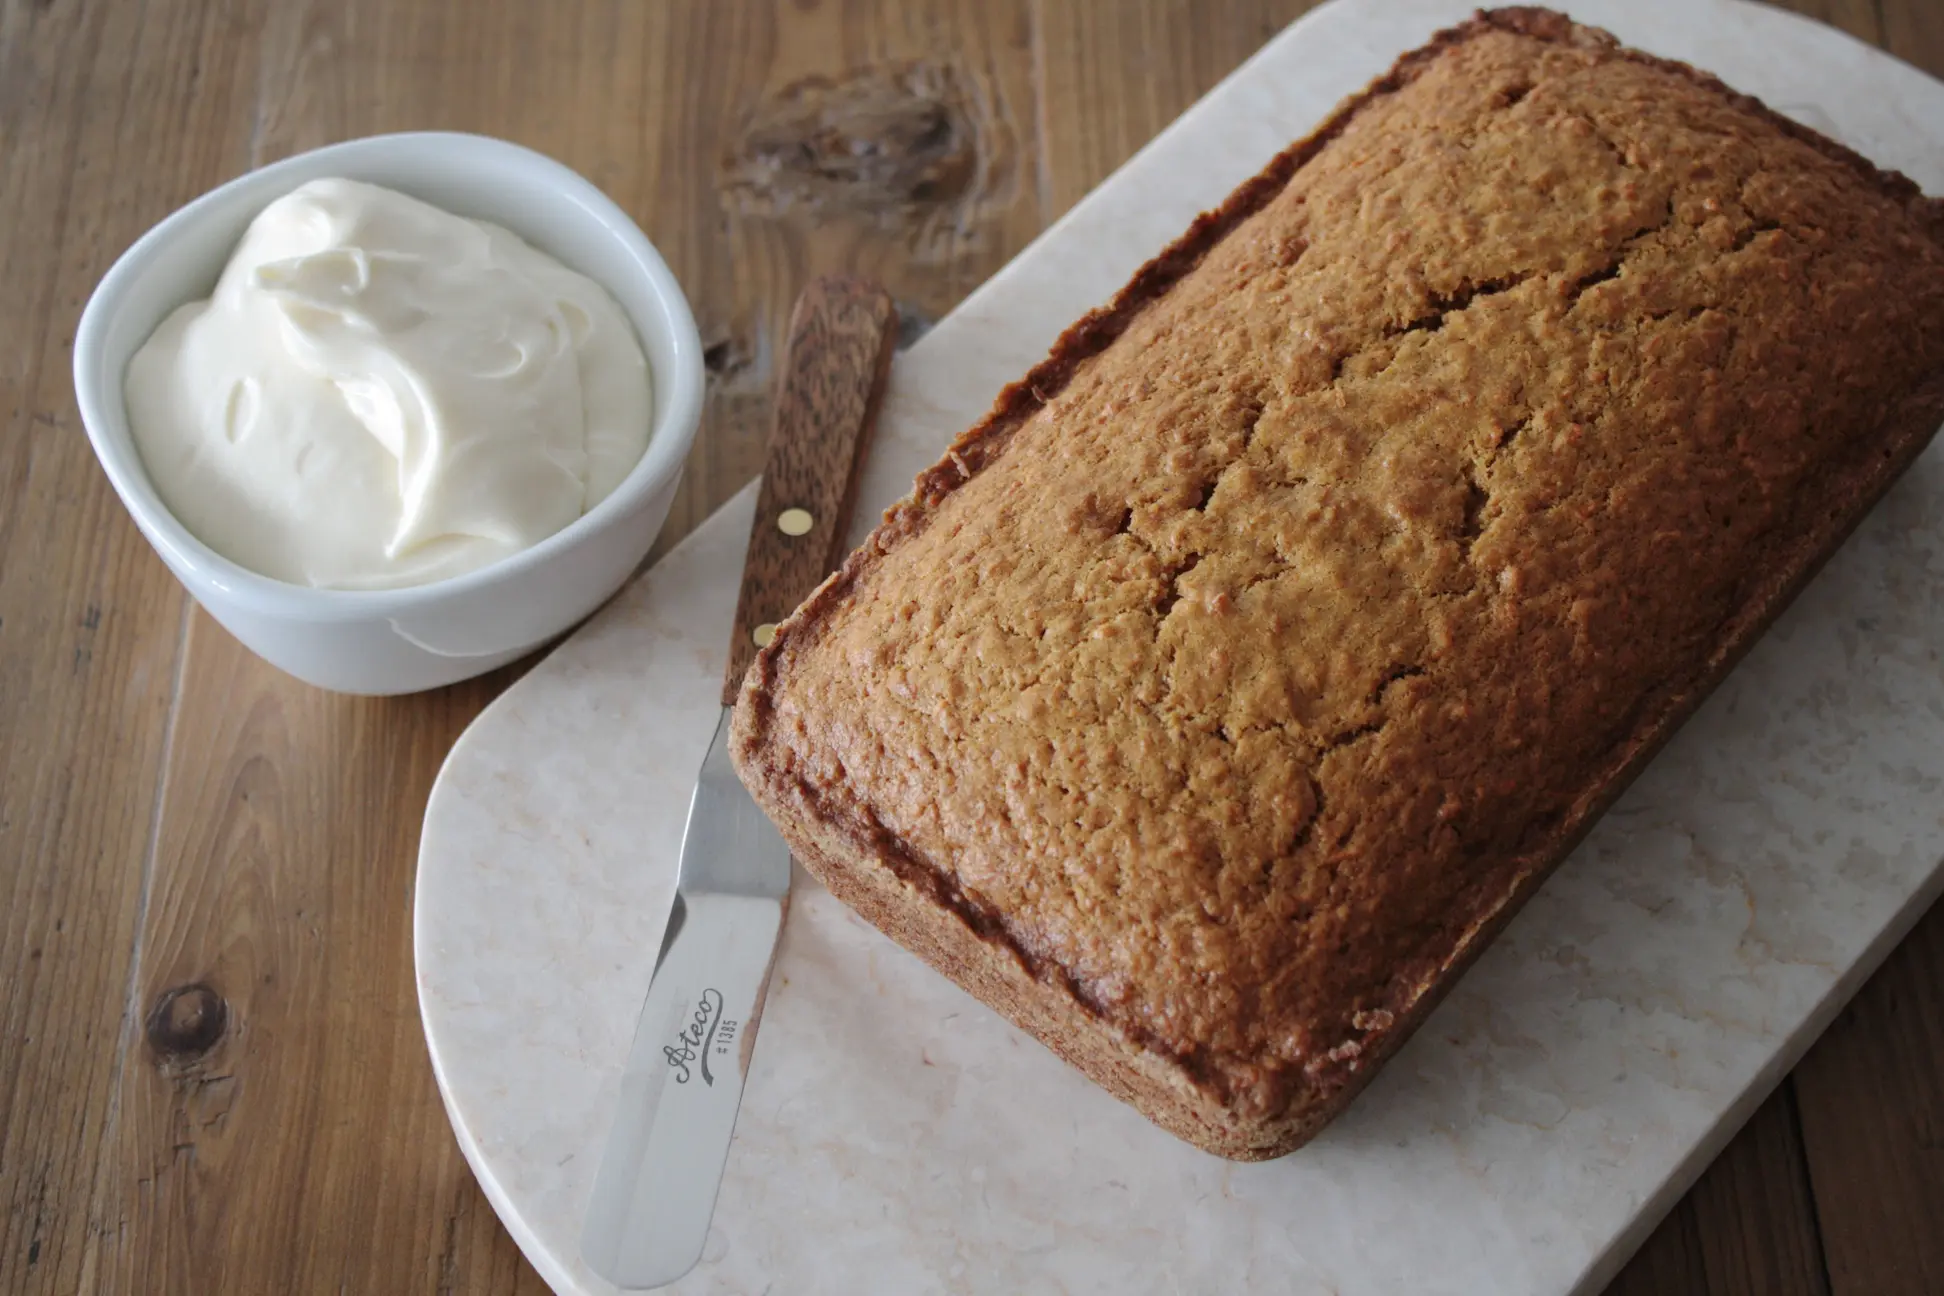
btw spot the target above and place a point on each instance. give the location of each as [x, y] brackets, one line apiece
[382, 394]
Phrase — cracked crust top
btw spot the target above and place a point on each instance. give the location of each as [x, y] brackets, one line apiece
[1264, 647]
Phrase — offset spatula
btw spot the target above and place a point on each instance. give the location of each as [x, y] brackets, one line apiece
[684, 1079]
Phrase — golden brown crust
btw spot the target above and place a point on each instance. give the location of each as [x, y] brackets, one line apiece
[1265, 676]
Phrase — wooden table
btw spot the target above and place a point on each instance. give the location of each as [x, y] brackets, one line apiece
[211, 1072]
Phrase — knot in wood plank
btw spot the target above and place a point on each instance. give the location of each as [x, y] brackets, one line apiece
[186, 1023]
[886, 141]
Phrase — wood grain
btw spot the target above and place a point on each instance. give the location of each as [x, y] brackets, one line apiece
[90, 624]
[1112, 75]
[835, 363]
[790, 87]
[1872, 1100]
[280, 897]
[211, 1072]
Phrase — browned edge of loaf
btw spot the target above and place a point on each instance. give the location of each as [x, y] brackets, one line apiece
[919, 906]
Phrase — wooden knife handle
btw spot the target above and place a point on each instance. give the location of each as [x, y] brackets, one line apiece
[841, 335]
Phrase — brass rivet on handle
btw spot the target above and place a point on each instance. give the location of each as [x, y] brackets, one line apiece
[795, 521]
[763, 633]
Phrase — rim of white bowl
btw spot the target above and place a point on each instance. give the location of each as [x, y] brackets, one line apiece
[677, 396]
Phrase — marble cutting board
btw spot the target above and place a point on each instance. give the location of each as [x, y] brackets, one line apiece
[898, 1137]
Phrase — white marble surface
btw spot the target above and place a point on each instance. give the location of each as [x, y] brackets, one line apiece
[898, 1137]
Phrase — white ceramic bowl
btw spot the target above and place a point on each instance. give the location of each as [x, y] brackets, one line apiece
[397, 641]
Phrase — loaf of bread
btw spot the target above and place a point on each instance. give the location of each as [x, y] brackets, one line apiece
[1216, 699]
